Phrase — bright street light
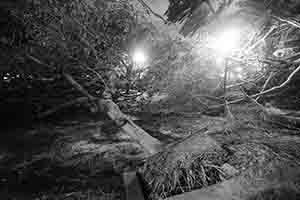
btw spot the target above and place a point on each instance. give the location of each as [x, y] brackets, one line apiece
[239, 69]
[139, 57]
[226, 42]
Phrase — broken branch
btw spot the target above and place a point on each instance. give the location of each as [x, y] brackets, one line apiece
[77, 86]
[289, 21]
[264, 92]
[266, 84]
[279, 86]
[150, 10]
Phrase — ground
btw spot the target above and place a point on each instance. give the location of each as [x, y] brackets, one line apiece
[84, 157]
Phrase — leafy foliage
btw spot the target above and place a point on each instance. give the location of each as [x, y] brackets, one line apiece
[270, 37]
[41, 40]
[93, 41]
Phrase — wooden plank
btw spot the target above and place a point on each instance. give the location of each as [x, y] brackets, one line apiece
[133, 187]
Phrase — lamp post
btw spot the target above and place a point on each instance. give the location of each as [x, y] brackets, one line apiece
[225, 78]
[224, 44]
[139, 59]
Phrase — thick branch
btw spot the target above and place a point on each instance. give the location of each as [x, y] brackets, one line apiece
[77, 86]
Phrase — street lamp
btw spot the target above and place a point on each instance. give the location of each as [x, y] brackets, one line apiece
[225, 44]
[139, 57]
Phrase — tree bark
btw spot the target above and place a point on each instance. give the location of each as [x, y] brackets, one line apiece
[151, 145]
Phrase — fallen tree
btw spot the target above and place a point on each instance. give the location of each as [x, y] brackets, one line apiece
[151, 145]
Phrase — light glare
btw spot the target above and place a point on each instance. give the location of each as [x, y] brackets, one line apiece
[139, 57]
[226, 42]
[239, 69]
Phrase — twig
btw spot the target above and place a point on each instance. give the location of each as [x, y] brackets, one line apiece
[211, 7]
[235, 59]
[289, 21]
[150, 9]
[61, 106]
[264, 92]
[77, 86]
[200, 102]
[253, 100]
[99, 77]
[266, 84]
[294, 57]
[85, 28]
[262, 39]
[279, 86]
[228, 112]
[239, 84]
[210, 97]
[38, 61]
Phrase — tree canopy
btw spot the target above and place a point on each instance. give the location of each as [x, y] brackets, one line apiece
[93, 41]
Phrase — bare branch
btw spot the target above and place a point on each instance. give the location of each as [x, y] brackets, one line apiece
[262, 39]
[265, 85]
[279, 86]
[211, 7]
[62, 106]
[38, 61]
[99, 77]
[253, 100]
[77, 86]
[264, 92]
[228, 113]
[150, 9]
[289, 21]
[212, 98]
[239, 84]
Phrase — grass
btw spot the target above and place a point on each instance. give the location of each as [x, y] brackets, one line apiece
[175, 171]
[250, 140]
[62, 164]
[74, 159]
[188, 173]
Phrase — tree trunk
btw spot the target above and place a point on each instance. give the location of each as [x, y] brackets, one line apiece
[151, 145]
